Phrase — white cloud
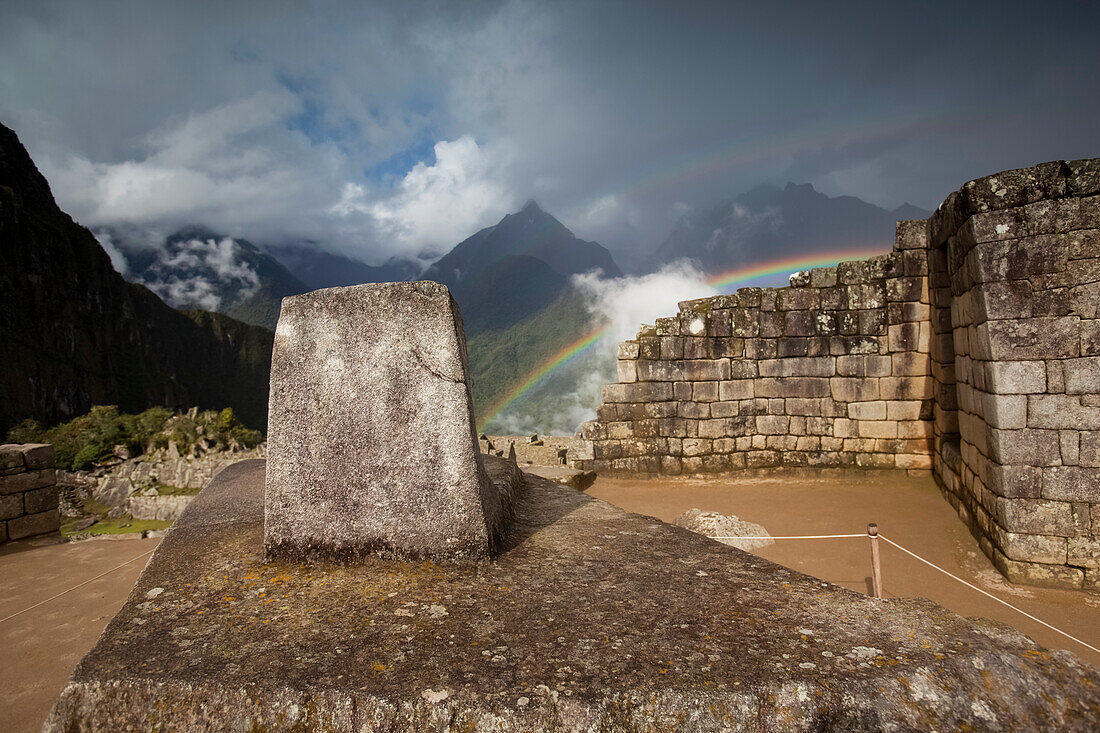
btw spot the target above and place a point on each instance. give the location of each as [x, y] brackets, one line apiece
[198, 273]
[441, 203]
[625, 303]
[630, 302]
[118, 260]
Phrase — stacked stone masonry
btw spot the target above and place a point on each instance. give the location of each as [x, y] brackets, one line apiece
[28, 491]
[972, 349]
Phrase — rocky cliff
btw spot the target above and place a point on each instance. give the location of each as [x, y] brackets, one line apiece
[74, 334]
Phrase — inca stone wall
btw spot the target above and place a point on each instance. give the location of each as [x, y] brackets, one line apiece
[28, 491]
[971, 349]
[832, 371]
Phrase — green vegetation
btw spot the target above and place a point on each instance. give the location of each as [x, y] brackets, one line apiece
[89, 439]
[501, 360]
[122, 525]
[165, 490]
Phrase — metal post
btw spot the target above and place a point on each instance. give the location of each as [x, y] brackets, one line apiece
[876, 569]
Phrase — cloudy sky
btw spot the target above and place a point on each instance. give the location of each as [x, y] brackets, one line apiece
[384, 128]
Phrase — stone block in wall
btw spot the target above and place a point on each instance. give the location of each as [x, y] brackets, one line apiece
[725, 409]
[905, 337]
[911, 234]
[659, 371]
[851, 389]
[916, 263]
[856, 272]
[626, 370]
[1046, 549]
[1084, 300]
[1013, 188]
[910, 363]
[905, 388]
[38, 456]
[1023, 447]
[1083, 178]
[913, 461]
[628, 350]
[693, 410]
[745, 322]
[27, 480]
[1090, 338]
[1015, 377]
[833, 298]
[1033, 573]
[736, 389]
[1071, 483]
[672, 347]
[727, 348]
[1082, 376]
[40, 500]
[798, 323]
[797, 299]
[11, 459]
[649, 347]
[1035, 516]
[697, 348]
[30, 525]
[11, 506]
[1088, 453]
[1061, 412]
[1033, 338]
[823, 277]
[1083, 552]
[875, 410]
[1007, 412]
[872, 322]
[905, 289]
[877, 429]
[698, 370]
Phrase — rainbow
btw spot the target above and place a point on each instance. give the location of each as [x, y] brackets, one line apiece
[787, 265]
[728, 281]
[544, 368]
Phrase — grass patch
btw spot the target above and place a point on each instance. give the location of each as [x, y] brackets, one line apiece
[115, 526]
[163, 490]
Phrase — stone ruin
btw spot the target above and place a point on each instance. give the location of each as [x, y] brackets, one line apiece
[971, 351]
[28, 491]
[370, 427]
[394, 594]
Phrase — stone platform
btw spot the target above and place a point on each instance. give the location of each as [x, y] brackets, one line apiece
[591, 618]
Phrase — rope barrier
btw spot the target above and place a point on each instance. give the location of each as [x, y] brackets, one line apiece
[792, 537]
[78, 585]
[990, 595]
[928, 563]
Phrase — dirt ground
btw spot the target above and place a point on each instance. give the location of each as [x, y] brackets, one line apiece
[912, 512]
[40, 648]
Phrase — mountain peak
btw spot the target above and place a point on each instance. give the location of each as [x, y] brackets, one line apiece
[531, 207]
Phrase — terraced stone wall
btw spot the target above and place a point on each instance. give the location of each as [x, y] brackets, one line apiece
[972, 349]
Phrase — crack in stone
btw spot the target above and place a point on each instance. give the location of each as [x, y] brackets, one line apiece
[424, 363]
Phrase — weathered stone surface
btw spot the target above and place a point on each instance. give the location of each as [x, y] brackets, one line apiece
[30, 525]
[11, 458]
[27, 480]
[591, 618]
[371, 433]
[37, 455]
[40, 500]
[11, 505]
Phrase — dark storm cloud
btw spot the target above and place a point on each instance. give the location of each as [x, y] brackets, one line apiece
[382, 128]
